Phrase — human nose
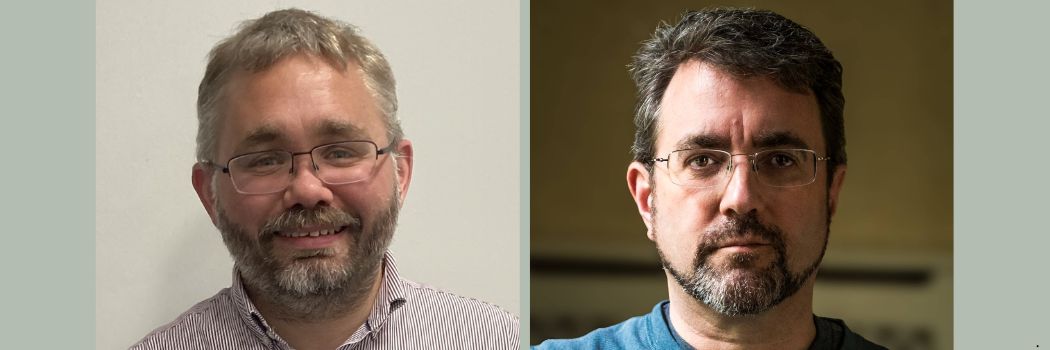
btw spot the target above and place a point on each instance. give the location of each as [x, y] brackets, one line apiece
[740, 196]
[306, 188]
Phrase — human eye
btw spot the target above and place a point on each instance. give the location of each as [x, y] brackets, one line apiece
[342, 154]
[693, 165]
[701, 159]
[781, 159]
[261, 163]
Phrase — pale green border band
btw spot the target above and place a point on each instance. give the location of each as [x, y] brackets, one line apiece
[1002, 175]
[47, 77]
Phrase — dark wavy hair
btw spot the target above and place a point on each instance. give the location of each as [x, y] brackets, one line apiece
[743, 43]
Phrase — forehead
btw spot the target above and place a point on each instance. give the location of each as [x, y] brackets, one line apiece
[298, 102]
[705, 107]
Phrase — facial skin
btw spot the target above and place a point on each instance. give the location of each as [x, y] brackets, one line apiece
[295, 105]
[742, 248]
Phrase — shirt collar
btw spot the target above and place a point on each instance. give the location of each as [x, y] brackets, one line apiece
[249, 315]
[392, 296]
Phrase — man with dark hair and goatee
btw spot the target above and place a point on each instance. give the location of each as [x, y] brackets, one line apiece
[739, 157]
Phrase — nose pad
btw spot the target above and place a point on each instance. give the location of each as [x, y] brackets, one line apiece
[734, 164]
[738, 196]
[311, 168]
[733, 169]
[729, 170]
[306, 188]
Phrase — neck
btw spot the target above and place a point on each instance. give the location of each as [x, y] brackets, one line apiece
[788, 325]
[318, 322]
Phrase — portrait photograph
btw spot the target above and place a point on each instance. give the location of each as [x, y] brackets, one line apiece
[160, 194]
[887, 257]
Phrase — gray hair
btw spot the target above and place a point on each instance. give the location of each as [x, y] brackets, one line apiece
[261, 43]
[743, 43]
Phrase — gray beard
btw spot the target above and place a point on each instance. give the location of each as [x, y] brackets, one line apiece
[305, 288]
[736, 288]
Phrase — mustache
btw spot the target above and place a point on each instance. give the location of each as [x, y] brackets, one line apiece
[747, 225]
[299, 217]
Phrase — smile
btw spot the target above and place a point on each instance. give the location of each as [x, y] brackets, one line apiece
[311, 233]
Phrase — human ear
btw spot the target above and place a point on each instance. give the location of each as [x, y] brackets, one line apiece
[641, 192]
[404, 167]
[202, 178]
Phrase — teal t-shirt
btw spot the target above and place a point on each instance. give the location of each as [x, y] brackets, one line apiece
[654, 331]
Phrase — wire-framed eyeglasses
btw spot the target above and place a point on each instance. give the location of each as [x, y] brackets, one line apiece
[272, 171]
[710, 167]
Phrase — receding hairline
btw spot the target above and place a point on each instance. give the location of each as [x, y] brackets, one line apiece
[331, 126]
[260, 43]
[761, 139]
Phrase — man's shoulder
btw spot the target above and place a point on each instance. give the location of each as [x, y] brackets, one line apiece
[848, 341]
[445, 303]
[430, 312]
[635, 333]
[624, 335]
[194, 327]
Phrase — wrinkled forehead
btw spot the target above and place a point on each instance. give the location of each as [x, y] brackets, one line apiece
[704, 107]
[297, 104]
[275, 133]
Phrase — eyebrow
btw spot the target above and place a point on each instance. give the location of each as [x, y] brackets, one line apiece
[704, 141]
[261, 135]
[331, 127]
[762, 140]
[778, 139]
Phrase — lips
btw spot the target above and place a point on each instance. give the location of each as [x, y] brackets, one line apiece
[742, 242]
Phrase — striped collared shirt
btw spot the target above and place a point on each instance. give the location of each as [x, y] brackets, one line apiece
[406, 315]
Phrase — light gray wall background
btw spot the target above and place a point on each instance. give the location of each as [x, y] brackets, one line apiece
[456, 63]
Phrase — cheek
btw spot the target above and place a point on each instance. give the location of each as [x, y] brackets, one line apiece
[680, 223]
[249, 212]
[803, 219]
[354, 198]
[365, 199]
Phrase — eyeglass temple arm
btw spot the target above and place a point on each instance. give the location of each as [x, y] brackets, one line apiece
[386, 149]
[225, 169]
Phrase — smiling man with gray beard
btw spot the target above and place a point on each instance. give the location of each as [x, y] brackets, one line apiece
[302, 166]
[739, 158]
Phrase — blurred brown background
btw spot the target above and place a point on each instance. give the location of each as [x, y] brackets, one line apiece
[888, 267]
